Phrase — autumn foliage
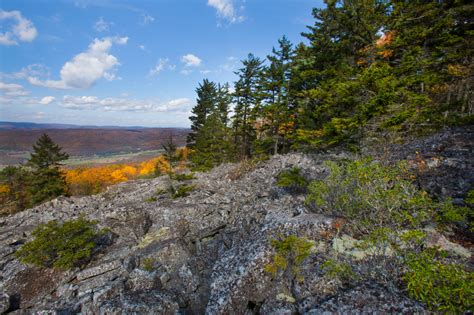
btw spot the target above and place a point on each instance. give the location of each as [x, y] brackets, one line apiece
[92, 180]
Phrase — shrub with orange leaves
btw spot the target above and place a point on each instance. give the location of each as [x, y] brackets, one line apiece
[92, 180]
[155, 166]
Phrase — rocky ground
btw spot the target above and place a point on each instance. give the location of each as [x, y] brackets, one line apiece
[206, 253]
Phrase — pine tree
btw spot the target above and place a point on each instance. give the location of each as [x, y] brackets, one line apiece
[213, 145]
[247, 100]
[206, 101]
[170, 152]
[276, 119]
[47, 180]
[223, 102]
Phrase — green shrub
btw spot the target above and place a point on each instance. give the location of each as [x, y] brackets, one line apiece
[449, 213]
[148, 264]
[61, 245]
[151, 199]
[181, 190]
[291, 251]
[183, 177]
[292, 180]
[470, 197]
[442, 287]
[337, 269]
[370, 194]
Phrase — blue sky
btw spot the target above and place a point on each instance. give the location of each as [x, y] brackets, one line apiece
[130, 63]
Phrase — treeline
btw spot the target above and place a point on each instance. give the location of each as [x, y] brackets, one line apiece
[397, 67]
[44, 177]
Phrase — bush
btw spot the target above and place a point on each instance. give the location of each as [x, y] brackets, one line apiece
[441, 287]
[337, 269]
[181, 191]
[61, 245]
[292, 180]
[291, 251]
[371, 195]
[182, 177]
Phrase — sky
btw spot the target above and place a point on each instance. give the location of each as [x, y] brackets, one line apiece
[130, 63]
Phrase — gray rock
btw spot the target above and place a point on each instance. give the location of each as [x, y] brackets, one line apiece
[4, 302]
[98, 270]
[209, 250]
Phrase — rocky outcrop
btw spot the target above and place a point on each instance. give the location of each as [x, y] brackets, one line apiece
[205, 253]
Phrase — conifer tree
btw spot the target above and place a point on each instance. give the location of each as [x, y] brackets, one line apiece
[276, 118]
[213, 145]
[47, 180]
[223, 102]
[170, 152]
[207, 94]
[247, 100]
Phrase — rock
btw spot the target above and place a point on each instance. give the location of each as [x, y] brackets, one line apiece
[98, 270]
[348, 245]
[285, 298]
[141, 280]
[210, 249]
[368, 299]
[435, 239]
[143, 303]
[4, 302]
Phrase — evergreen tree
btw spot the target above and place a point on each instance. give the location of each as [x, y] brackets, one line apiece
[213, 145]
[47, 180]
[431, 51]
[223, 102]
[276, 118]
[170, 152]
[247, 100]
[206, 101]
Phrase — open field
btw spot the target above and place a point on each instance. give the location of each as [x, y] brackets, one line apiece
[128, 158]
[91, 146]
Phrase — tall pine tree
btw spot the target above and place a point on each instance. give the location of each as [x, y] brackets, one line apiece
[247, 99]
[205, 103]
[276, 118]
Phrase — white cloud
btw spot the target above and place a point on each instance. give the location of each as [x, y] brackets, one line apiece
[226, 10]
[87, 67]
[191, 60]
[102, 25]
[121, 40]
[147, 19]
[22, 30]
[143, 47]
[160, 66]
[177, 104]
[186, 71]
[205, 71]
[123, 104]
[12, 90]
[46, 100]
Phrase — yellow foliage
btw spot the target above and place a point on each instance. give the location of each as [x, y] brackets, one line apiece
[458, 70]
[151, 166]
[4, 189]
[91, 180]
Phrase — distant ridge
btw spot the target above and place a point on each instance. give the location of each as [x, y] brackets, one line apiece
[8, 125]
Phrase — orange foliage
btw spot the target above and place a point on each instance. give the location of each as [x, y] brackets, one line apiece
[153, 166]
[92, 180]
[4, 189]
[383, 41]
